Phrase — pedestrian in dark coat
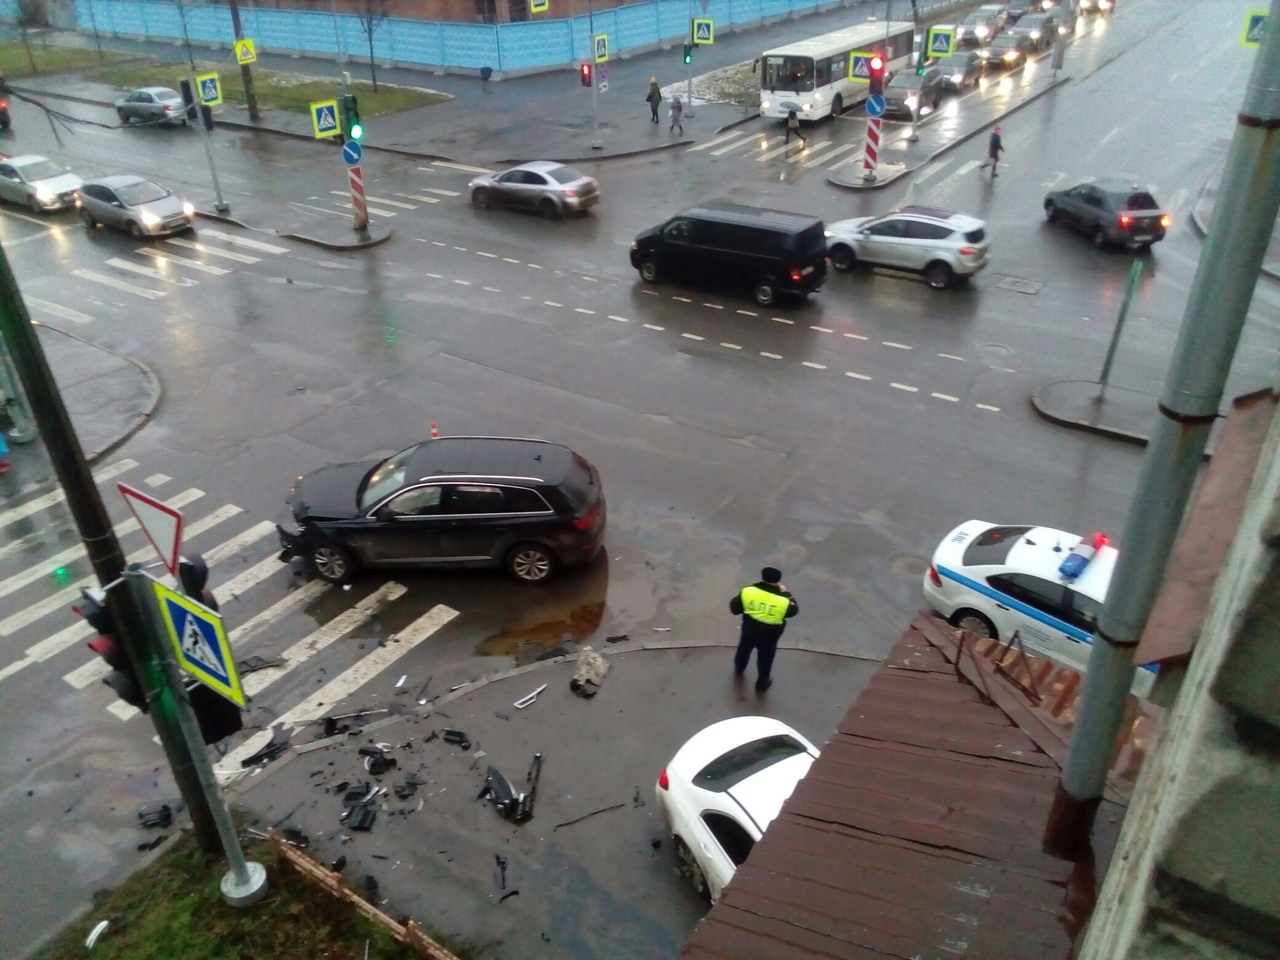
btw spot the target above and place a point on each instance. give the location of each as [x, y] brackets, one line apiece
[994, 149]
[654, 99]
[793, 126]
[765, 607]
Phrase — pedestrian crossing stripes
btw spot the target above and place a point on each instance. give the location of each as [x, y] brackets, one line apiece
[764, 147]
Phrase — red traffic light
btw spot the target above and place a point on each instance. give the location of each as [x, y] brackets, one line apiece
[585, 72]
[877, 62]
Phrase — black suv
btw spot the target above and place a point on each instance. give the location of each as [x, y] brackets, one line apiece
[529, 506]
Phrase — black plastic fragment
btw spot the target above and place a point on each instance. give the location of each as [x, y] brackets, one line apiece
[161, 817]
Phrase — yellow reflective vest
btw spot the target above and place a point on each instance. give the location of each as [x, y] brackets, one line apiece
[764, 606]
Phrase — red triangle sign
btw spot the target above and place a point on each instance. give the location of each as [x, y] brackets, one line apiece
[160, 522]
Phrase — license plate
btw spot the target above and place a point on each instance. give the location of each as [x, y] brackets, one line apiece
[1142, 237]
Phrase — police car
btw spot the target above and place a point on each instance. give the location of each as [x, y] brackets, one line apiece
[1045, 584]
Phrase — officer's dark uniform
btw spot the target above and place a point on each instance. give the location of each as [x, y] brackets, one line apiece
[764, 608]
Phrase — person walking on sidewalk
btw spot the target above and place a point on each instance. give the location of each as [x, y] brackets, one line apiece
[654, 98]
[793, 126]
[994, 149]
[764, 607]
[677, 113]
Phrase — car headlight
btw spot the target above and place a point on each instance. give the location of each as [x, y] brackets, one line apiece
[634, 245]
[827, 233]
[957, 78]
[1035, 34]
[808, 106]
[980, 31]
[150, 219]
[764, 104]
[1011, 55]
[911, 101]
[44, 194]
[189, 210]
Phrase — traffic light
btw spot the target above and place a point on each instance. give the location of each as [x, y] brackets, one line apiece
[189, 101]
[123, 679]
[920, 61]
[875, 72]
[584, 72]
[351, 113]
[688, 53]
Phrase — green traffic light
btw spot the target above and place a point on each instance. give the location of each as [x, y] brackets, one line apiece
[357, 131]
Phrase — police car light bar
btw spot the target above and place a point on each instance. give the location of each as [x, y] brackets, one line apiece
[1084, 551]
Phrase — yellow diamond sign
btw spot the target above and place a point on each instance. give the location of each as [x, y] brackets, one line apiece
[244, 52]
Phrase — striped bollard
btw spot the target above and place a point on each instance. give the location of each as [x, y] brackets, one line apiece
[359, 209]
[872, 149]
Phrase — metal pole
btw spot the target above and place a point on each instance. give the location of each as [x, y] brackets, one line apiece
[246, 75]
[93, 21]
[1215, 314]
[92, 522]
[15, 399]
[246, 883]
[337, 37]
[688, 89]
[595, 78]
[1134, 273]
[219, 204]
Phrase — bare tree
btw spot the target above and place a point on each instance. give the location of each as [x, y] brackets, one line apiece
[186, 37]
[31, 13]
[372, 14]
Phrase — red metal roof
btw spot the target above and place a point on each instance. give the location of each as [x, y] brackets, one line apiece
[916, 834]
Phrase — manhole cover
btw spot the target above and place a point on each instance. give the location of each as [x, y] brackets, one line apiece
[1019, 286]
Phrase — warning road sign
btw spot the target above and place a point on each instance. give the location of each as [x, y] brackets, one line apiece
[209, 89]
[324, 119]
[1254, 22]
[245, 52]
[602, 47]
[942, 41]
[538, 6]
[160, 522]
[860, 66]
[199, 642]
[704, 31]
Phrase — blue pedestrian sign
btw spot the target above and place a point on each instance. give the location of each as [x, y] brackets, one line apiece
[942, 41]
[1254, 21]
[704, 31]
[199, 642]
[351, 153]
[324, 119]
[875, 105]
[860, 67]
[209, 89]
[602, 47]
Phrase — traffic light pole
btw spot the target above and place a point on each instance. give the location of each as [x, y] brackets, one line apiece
[94, 526]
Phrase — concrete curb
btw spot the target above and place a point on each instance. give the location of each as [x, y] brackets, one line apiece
[1200, 224]
[375, 241]
[736, 123]
[1074, 423]
[608, 156]
[142, 419]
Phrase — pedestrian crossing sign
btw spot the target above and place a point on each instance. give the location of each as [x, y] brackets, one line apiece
[602, 47]
[324, 119]
[704, 31]
[210, 89]
[1254, 22]
[942, 41]
[860, 66]
[199, 642]
[539, 6]
[245, 52]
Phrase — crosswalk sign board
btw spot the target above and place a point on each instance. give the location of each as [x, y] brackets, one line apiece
[602, 47]
[199, 642]
[860, 66]
[538, 6]
[704, 31]
[209, 89]
[1254, 22]
[245, 53]
[942, 41]
[324, 119]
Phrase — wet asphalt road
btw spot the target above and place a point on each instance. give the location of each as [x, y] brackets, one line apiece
[839, 438]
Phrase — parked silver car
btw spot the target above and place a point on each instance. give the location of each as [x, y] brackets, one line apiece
[152, 104]
[139, 206]
[37, 182]
[547, 187]
[941, 245]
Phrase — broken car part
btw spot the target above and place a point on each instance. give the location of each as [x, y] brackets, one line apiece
[586, 816]
[525, 701]
[458, 737]
[161, 817]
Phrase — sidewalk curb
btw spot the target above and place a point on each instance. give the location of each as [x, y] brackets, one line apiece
[1075, 423]
[737, 123]
[671, 145]
[376, 241]
[142, 419]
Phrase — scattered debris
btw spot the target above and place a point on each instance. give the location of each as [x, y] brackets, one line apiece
[516, 807]
[458, 737]
[618, 638]
[98, 930]
[279, 744]
[459, 686]
[255, 663]
[479, 755]
[152, 844]
[339, 865]
[433, 736]
[256, 833]
[525, 701]
[501, 716]
[371, 887]
[655, 844]
[401, 681]
[501, 861]
[380, 856]
[636, 801]
[590, 673]
[360, 793]
[294, 836]
[585, 816]
[422, 694]
[544, 936]
[376, 760]
[160, 818]
[508, 895]
[359, 817]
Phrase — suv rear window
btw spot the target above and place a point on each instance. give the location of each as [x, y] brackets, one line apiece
[993, 546]
[812, 241]
[565, 174]
[1140, 201]
[578, 486]
[976, 236]
[738, 764]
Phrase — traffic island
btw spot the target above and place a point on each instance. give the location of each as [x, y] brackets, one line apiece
[1083, 405]
[853, 177]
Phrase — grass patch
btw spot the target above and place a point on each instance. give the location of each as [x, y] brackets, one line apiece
[174, 909]
[283, 91]
[15, 62]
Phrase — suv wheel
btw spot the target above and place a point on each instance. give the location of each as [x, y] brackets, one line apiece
[124, 117]
[689, 867]
[939, 275]
[332, 563]
[974, 622]
[480, 197]
[765, 293]
[548, 208]
[1100, 238]
[87, 217]
[531, 563]
[649, 270]
[843, 257]
[1050, 211]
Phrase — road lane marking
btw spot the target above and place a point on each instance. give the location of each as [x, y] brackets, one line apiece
[491, 256]
[774, 153]
[456, 166]
[30, 219]
[307, 206]
[248, 579]
[692, 336]
[945, 396]
[414, 196]
[714, 306]
[163, 257]
[212, 251]
[492, 289]
[739, 141]
[510, 260]
[903, 386]
[435, 276]
[805, 152]
[653, 326]
[1109, 136]
[951, 356]
[53, 498]
[375, 211]
[237, 543]
[820, 329]
[930, 170]
[461, 249]
[831, 154]
[856, 376]
[730, 346]
[965, 168]
[815, 366]
[747, 313]
[853, 336]
[156, 480]
[443, 192]
[533, 266]
[619, 319]
[118, 284]
[583, 310]
[782, 320]
[391, 203]
[237, 241]
[463, 283]
[895, 345]
[150, 272]
[983, 406]
[682, 299]
[771, 356]
[552, 303]
[37, 305]
[716, 141]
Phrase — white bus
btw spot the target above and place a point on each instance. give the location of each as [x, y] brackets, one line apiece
[812, 76]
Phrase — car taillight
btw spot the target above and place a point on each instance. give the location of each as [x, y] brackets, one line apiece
[933, 576]
[1125, 219]
[587, 520]
[168, 107]
[968, 251]
[4, 104]
[571, 193]
[663, 782]
[796, 274]
[1166, 220]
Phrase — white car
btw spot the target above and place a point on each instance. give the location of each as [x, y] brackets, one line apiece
[941, 245]
[37, 182]
[723, 788]
[1047, 585]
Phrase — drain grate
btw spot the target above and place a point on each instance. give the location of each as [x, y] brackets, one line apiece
[1017, 285]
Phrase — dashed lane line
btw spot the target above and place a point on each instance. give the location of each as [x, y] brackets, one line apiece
[983, 406]
[895, 345]
[815, 366]
[771, 356]
[853, 336]
[619, 319]
[903, 386]
[944, 396]
[856, 376]
[692, 336]
[730, 346]
[951, 356]
[653, 326]
[456, 166]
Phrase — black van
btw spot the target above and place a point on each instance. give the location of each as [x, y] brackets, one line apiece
[727, 244]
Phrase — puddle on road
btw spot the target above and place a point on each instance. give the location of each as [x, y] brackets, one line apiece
[548, 638]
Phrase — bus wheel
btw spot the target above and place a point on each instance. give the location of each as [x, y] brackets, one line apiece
[837, 105]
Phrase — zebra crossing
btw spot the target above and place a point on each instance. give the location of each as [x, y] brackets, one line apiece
[261, 599]
[382, 206]
[772, 147]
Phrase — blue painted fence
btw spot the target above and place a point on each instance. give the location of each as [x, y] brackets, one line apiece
[9, 10]
[505, 46]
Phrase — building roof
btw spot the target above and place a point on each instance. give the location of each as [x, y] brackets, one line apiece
[917, 831]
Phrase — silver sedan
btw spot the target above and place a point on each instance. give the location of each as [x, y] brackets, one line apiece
[547, 187]
[152, 105]
[139, 206]
[37, 182]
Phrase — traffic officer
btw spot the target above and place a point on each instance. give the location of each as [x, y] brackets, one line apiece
[764, 607]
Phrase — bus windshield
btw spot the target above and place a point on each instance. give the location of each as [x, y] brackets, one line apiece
[787, 73]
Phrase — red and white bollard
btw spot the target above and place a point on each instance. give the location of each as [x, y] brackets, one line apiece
[359, 209]
[872, 150]
[435, 434]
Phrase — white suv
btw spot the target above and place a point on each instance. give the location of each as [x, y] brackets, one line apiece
[941, 245]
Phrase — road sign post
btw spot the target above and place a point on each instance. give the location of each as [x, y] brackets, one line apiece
[872, 150]
[359, 208]
[324, 119]
[600, 49]
[1254, 21]
[245, 55]
[208, 93]
[160, 522]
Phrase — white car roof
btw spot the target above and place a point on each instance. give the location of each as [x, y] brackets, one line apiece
[719, 738]
[763, 794]
[1039, 552]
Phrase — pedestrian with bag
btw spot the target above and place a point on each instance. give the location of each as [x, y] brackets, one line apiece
[654, 99]
[764, 606]
[994, 149]
[793, 126]
[677, 113]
